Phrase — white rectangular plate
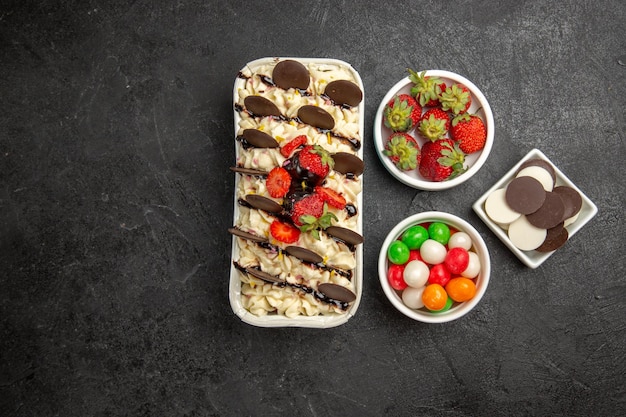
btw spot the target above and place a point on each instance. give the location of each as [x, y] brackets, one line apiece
[533, 258]
[274, 320]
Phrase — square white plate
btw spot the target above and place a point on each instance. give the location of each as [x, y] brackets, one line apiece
[274, 320]
[534, 258]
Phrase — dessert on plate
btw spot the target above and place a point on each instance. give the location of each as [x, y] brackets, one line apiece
[297, 220]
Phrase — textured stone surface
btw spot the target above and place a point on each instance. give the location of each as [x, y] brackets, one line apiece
[116, 134]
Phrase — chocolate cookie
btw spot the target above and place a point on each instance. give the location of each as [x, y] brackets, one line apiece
[290, 73]
[525, 195]
[549, 214]
[572, 200]
[555, 238]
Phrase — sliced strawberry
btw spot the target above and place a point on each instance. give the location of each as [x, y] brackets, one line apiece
[332, 197]
[278, 182]
[292, 145]
[284, 232]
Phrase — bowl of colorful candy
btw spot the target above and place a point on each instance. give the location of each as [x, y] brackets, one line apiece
[433, 130]
[434, 267]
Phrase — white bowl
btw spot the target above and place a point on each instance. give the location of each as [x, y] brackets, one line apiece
[533, 258]
[473, 161]
[459, 309]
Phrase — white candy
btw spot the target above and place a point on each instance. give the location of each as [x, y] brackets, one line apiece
[498, 209]
[473, 268]
[416, 274]
[412, 297]
[460, 240]
[433, 252]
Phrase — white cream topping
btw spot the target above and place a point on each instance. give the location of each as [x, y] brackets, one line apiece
[259, 297]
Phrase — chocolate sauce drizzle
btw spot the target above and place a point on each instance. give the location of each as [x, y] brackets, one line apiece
[354, 142]
[307, 290]
[318, 265]
[350, 208]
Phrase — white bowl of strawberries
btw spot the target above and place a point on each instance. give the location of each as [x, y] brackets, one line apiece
[434, 267]
[433, 130]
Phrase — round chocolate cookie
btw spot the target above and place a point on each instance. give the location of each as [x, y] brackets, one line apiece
[260, 202]
[549, 214]
[260, 106]
[336, 292]
[290, 73]
[316, 116]
[555, 238]
[344, 92]
[259, 139]
[525, 195]
[304, 254]
[572, 200]
[347, 163]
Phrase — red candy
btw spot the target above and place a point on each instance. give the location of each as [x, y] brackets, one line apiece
[439, 274]
[456, 260]
[414, 255]
[395, 277]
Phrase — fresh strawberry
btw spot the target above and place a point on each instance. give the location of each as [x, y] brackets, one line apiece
[434, 124]
[403, 150]
[314, 224]
[292, 145]
[284, 232]
[426, 89]
[441, 160]
[278, 182]
[402, 113]
[309, 205]
[456, 99]
[311, 164]
[331, 197]
[470, 132]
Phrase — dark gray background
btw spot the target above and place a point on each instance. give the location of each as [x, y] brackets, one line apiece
[116, 134]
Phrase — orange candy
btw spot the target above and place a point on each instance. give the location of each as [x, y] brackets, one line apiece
[434, 297]
[461, 289]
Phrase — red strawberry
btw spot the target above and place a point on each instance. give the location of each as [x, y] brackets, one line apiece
[441, 160]
[284, 232]
[309, 205]
[434, 124]
[456, 99]
[402, 113]
[292, 145]
[331, 197]
[278, 182]
[312, 164]
[403, 151]
[470, 131]
[426, 89]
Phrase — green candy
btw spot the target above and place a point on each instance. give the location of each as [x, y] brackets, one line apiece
[398, 252]
[440, 232]
[414, 236]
